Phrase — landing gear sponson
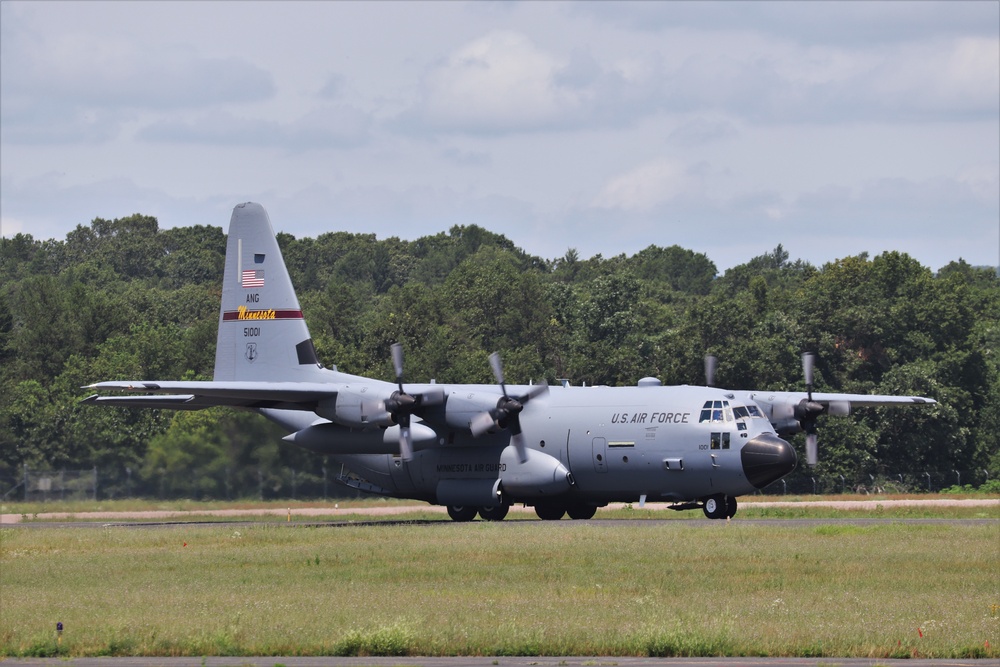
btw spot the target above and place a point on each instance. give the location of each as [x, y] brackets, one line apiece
[547, 512]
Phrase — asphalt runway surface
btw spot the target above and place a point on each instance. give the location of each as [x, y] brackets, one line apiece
[418, 661]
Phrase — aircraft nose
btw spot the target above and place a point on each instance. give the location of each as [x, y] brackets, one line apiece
[767, 458]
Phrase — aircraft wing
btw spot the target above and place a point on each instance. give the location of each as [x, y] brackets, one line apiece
[198, 395]
[856, 400]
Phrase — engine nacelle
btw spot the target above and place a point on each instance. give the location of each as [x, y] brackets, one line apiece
[327, 438]
[463, 407]
[787, 426]
[359, 408]
[839, 408]
[540, 476]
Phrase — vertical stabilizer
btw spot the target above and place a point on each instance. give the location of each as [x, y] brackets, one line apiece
[262, 334]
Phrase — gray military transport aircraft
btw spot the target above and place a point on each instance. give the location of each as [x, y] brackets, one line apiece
[478, 449]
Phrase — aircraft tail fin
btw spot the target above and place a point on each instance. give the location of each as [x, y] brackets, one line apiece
[262, 334]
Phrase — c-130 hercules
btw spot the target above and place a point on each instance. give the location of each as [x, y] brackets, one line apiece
[478, 449]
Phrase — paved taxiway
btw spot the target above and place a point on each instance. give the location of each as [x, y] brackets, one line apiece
[417, 661]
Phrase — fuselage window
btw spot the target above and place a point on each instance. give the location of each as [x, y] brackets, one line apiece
[720, 440]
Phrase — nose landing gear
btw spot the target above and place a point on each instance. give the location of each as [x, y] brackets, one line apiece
[719, 507]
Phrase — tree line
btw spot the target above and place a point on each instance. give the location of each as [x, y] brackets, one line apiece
[123, 299]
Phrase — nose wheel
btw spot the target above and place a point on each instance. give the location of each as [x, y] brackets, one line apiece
[720, 507]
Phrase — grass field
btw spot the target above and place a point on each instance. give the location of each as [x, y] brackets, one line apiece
[512, 588]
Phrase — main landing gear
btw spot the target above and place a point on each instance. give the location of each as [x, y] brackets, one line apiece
[554, 512]
[546, 511]
[719, 507]
[466, 513]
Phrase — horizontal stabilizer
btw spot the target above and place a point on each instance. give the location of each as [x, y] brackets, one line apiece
[182, 402]
[197, 395]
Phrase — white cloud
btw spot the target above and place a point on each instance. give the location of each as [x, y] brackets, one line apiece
[328, 126]
[499, 82]
[645, 187]
[843, 23]
[973, 72]
[11, 227]
[61, 86]
[983, 181]
[701, 129]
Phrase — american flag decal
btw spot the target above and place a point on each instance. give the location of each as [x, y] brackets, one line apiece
[251, 278]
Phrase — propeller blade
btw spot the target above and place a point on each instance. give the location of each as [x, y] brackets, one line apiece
[808, 363]
[711, 364]
[517, 439]
[397, 363]
[481, 423]
[405, 442]
[535, 391]
[507, 413]
[812, 449]
[497, 367]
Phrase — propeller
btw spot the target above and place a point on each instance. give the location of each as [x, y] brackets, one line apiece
[401, 405]
[807, 411]
[507, 413]
[711, 365]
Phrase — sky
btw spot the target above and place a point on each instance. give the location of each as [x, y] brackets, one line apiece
[832, 128]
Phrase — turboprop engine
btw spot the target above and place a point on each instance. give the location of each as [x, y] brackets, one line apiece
[356, 408]
[324, 437]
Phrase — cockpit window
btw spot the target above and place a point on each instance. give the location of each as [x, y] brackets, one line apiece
[747, 412]
[716, 411]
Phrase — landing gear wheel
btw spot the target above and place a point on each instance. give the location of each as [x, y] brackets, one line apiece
[462, 513]
[715, 507]
[731, 509]
[582, 512]
[494, 513]
[550, 512]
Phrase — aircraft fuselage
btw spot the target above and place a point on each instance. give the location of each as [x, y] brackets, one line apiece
[616, 444]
